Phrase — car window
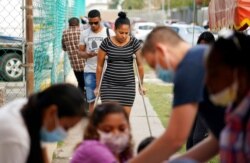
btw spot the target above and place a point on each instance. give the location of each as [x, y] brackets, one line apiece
[195, 30]
[146, 27]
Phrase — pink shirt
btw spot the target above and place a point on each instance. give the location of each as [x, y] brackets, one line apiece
[92, 151]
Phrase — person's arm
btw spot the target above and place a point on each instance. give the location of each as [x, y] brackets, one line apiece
[140, 69]
[84, 54]
[63, 43]
[45, 155]
[179, 127]
[100, 64]
[13, 153]
[140, 65]
[203, 151]
[83, 49]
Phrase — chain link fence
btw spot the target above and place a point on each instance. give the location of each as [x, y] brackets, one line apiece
[50, 19]
[12, 50]
[51, 65]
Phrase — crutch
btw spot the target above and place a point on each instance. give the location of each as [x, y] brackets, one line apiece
[142, 95]
[99, 87]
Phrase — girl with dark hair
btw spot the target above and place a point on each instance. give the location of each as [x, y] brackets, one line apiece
[206, 38]
[228, 78]
[107, 137]
[43, 117]
[118, 82]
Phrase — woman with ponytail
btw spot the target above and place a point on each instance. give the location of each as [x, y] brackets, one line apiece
[118, 82]
[43, 117]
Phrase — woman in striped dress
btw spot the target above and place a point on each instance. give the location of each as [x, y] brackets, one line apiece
[118, 82]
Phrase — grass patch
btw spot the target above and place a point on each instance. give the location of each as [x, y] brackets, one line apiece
[60, 144]
[160, 97]
[146, 68]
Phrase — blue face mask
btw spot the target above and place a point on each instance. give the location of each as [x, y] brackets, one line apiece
[165, 75]
[58, 134]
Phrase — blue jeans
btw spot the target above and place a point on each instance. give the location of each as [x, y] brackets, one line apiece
[90, 85]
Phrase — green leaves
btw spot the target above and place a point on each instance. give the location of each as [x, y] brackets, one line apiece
[132, 4]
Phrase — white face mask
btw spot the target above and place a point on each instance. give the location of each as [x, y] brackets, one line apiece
[117, 143]
[226, 96]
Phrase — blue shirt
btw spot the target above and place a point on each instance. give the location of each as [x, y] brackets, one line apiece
[189, 87]
[189, 77]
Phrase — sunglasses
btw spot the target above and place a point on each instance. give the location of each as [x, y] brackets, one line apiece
[93, 23]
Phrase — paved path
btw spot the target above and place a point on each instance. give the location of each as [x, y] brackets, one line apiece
[138, 120]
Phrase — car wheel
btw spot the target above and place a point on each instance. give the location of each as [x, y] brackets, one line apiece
[10, 67]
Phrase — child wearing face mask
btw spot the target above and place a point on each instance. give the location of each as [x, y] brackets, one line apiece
[107, 137]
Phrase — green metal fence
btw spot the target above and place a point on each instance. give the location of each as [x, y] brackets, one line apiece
[50, 19]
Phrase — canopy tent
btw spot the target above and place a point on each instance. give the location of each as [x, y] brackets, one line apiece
[229, 13]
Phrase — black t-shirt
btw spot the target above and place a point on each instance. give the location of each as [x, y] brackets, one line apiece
[212, 115]
[189, 88]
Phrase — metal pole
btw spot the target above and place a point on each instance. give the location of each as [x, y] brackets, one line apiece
[29, 48]
[149, 9]
[163, 6]
[100, 83]
[142, 95]
[194, 12]
[194, 20]
[169, 9]
[163, 10]
[23, 38]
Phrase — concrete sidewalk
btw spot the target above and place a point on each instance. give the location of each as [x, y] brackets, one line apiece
[138, 120]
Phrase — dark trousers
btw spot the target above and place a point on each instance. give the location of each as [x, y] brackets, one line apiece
[81, 85]
[80, 79]
[198, 133]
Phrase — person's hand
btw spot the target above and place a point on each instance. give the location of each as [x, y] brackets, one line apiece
[96, 92]
[91, 54]
[86, 55]
[142, 90]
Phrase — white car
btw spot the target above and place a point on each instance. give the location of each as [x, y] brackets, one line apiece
[140, 30]
[189, 33]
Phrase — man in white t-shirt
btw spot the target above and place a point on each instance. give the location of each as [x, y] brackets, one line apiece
[90, 40]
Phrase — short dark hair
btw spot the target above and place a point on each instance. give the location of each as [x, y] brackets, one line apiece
[208, 37]
[144, 143]
[94, 13]
[122, 19]
[73, 21]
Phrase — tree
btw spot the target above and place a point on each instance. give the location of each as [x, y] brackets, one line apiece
[133, 4]
[202, 2]
[114, 4]
[180, 3]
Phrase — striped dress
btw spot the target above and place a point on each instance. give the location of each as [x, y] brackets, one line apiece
[118, 82]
